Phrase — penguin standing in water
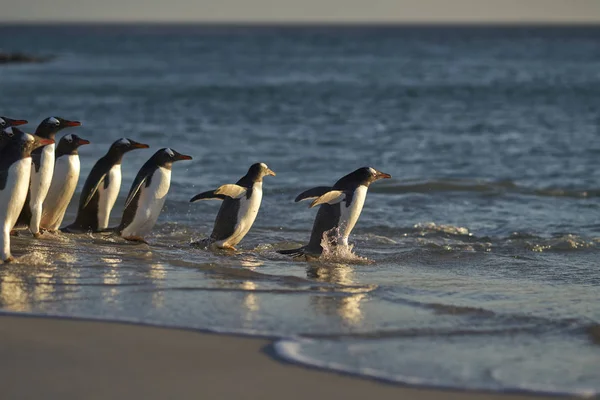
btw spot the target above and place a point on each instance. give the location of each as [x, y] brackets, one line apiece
[101, 189]
[341, 206]
[241, 202]
[147, 194]
[64, 181]
[6, 122]
[15, 171]
[41, 173]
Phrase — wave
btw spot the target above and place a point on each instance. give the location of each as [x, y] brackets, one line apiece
[479, 186]
[293, 350]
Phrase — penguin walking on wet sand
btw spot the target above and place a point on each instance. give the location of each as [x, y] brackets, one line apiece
[15, 171]
[41, 173]
[101, 189]
[6, 122]
[147, 194]
[241, 202]
[64, 181]
[341, 205]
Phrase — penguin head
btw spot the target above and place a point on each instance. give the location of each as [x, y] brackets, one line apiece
[258, 171]
[51, 125]
[363, 176]
[69, 144]
[25, 143]
[166, 157]
[6, 122]
[125, 145]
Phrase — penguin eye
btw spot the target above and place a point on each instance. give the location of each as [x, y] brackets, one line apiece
[2, 122]
[53, 121]
[9, 132]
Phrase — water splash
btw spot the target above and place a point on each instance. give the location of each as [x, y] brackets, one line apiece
[333, 251]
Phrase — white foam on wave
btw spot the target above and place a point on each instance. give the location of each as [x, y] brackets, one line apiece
[291, 350]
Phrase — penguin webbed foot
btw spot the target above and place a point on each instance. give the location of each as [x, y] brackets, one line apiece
[14, 232]
[136, 239]
[9, 260]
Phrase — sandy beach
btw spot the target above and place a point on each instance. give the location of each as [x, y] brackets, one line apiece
[70, 359]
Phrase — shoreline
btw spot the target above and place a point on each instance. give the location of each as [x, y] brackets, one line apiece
[46, 357]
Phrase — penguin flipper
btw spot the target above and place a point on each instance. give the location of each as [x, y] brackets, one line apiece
[232, 190]
[3, 178]
[210, 195]
[135, 188]
[331, 197]
[313, 193]
[93, 191]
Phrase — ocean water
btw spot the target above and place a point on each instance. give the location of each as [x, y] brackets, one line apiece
[476, 266]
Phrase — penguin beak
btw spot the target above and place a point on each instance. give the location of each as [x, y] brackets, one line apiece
[270, 172]
[71, 123]
[81, 142]
[137, 145]
[16, 122]
[382, 175]
[179, 157]
[40, 141]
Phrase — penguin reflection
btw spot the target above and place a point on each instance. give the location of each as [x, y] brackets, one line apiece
[348, 307]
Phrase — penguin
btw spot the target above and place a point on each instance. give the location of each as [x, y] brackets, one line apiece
[241, 202]
[341, 206]
[15, 170]
[147, 194]
[41, 173]
[6, 122]
[64, 181]
[101, 189]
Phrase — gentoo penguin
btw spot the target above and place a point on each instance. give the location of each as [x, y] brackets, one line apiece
[101, 189]
[241, 202]
[147, 194]
[341, 206]
[64, 181]
[6, 122]
[15, 170]
[41, 174]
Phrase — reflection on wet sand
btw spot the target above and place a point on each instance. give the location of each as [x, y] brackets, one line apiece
[13, 293]
[251, 300]
[347, 307]
[111, 276]
[157, 274]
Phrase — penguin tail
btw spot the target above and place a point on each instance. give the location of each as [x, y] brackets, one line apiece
[299, 252]
[114, 230]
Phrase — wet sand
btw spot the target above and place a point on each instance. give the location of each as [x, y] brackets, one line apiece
[71, 359]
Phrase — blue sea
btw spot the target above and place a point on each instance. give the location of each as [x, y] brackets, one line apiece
[476, 267]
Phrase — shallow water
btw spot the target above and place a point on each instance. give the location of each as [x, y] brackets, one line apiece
[476, 266]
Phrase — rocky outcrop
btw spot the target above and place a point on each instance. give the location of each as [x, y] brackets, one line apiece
[14, 58]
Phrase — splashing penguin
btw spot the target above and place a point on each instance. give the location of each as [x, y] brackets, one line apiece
[341, 206]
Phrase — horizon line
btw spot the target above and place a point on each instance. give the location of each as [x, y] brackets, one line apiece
[300, 23]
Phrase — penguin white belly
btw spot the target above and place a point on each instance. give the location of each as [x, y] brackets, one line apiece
[64, 182]
[12, 199]
[108, 196]
[349, 215]
[150, 203]
[40, 183]
[246, 215]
